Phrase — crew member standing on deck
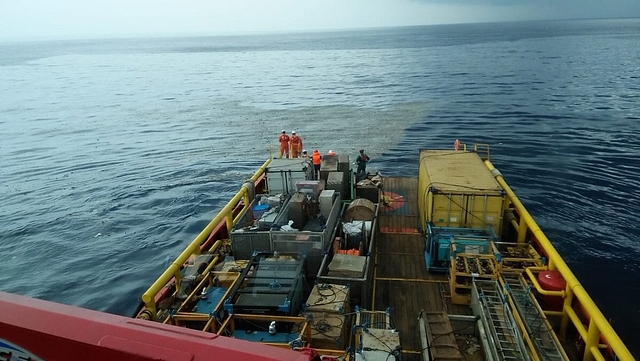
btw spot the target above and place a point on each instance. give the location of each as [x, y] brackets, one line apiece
[362, 161]
[296, 145]
[317, 160]
[284, 144]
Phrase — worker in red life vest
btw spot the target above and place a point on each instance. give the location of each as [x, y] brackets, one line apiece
[284, 144]
[317, 160]
[296, 145]
[362, 161]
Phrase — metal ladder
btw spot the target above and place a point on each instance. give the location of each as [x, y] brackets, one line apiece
[539, 330]
[506, 340]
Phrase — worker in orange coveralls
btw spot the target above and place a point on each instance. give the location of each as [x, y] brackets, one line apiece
[284, 144]
[296, 145]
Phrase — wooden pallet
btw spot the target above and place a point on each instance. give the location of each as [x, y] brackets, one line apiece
[436, 329]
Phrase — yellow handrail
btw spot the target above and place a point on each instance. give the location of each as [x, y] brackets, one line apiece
[482, 149]
[598, 324]
[194, 247]
[536, 284]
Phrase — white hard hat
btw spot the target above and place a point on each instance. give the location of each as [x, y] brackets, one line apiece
[294, 132]
[284, 131]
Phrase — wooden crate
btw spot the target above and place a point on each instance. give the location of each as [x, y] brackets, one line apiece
[463, 269]
[329, 330]
[515, 257]
[325, 297]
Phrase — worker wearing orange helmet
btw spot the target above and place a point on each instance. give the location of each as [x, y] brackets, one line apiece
[284, 144]
[317, 160]
[296, 145]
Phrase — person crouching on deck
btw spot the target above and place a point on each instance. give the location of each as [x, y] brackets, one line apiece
[284, 144]
[296, 145]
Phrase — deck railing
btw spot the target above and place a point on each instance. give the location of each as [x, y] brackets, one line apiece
[598, 327]
[483, 150]
[194, 248]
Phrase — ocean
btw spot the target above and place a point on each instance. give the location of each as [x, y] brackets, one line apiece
[115, 153]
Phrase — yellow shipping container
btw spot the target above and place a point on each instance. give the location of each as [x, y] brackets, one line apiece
[456, 189]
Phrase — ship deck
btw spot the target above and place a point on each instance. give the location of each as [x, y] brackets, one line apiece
[401, 279]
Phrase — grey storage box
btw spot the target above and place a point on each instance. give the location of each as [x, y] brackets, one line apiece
[360, 286]
[298, 210]
[246, 237]
[329, 164]
[282, 174]
[326, 199]
[313, 244]
[335, 181]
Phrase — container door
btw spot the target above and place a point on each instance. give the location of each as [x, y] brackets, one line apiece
[293, 178]
[284, 181]
[448, 210]
[276, 182]
[484, 211]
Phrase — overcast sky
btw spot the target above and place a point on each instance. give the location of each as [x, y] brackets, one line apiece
[46, 19]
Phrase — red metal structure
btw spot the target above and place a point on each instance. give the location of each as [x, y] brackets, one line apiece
[33, 330]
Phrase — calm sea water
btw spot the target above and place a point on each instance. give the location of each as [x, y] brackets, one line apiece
[114, 154]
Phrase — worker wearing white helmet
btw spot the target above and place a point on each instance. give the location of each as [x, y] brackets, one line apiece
[296, 145]
[284, 144]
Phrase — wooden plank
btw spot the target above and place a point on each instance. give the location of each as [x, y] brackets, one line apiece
[442, 341]
[407, 243]
[402, 280]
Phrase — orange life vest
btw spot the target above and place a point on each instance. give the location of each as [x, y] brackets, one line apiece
[316, 158]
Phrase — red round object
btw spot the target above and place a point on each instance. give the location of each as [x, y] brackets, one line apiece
[552, 281]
